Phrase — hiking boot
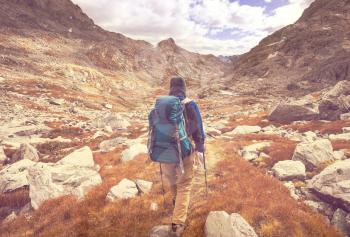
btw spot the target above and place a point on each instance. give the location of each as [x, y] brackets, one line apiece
[177, 229]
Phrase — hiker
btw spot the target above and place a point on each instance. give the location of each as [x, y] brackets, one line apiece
[164, 148]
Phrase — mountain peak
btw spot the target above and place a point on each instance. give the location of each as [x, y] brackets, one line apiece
[167, 43]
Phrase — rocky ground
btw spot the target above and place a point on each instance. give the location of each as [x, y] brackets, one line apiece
[51, 148]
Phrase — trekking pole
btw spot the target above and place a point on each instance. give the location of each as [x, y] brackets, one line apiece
[205, 175]
[161, 177]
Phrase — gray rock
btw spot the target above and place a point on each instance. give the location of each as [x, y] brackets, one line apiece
[221, 224]
[125, 189]
[3, 157]
[251, 152]
[345, 116]
[333, 183]
[240, 130]
[321, 207]
[80, 157]
[162, 231]
[14, 176]
[289, 169]
[143, 186]
[313, 154]
[292, 190]
[134, 150]
[57, 101]
[154, 206]
[47, 181]
[336, 101]
[115, 121]
[343, 136]
[339, 221]
[294, 111]
[10, 218]
[339, 155]
[26, 151]
[111, 144]
[108, 106]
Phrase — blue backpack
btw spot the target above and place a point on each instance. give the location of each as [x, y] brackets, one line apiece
[168, 141]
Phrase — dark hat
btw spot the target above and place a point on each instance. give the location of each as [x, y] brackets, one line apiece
[177, 86]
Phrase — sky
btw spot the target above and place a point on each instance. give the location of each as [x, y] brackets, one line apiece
[219, 27]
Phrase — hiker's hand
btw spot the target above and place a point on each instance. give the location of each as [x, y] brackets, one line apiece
[199, 160]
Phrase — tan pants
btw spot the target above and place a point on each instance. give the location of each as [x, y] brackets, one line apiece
[180, 186]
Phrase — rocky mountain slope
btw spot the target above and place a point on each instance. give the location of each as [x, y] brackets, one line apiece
[309, 55]
[54, 41]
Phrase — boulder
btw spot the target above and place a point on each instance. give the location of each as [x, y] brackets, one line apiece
[47, 181]
[314, 153]
[339, 221]
[133, 151]
[26, 151]
[125, 189]
[80, 157]
[115, 121]
[162, 231]
[333, 184]
[345, 116]
[221, 224]
[321, 207]
[3, 157]
[56, 101]
[143, 186]
[108, 106]
[240, 130]
[342, 136]
[14, 176]
[336, 101]
[301, 110]
[110, 145]
[251, 152]
[289, 169]
[292, 190]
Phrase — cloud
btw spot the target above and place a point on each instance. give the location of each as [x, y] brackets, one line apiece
[198, 25]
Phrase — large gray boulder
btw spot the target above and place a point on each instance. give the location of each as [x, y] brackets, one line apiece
[80, 157]
[301, 110]
[114, 120]
[245, 129]
[314, 153]
[26, 151]
[251, 152]
[133, 151]
[221, 224]
[48, 181]
[333, 184]
[289, 169]
[14, 176]
[336, 101]
[125, 189]
[110, 145]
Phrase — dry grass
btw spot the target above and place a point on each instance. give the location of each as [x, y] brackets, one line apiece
[333, 127]
[262, 200]
[13, 200]
[235, 186]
